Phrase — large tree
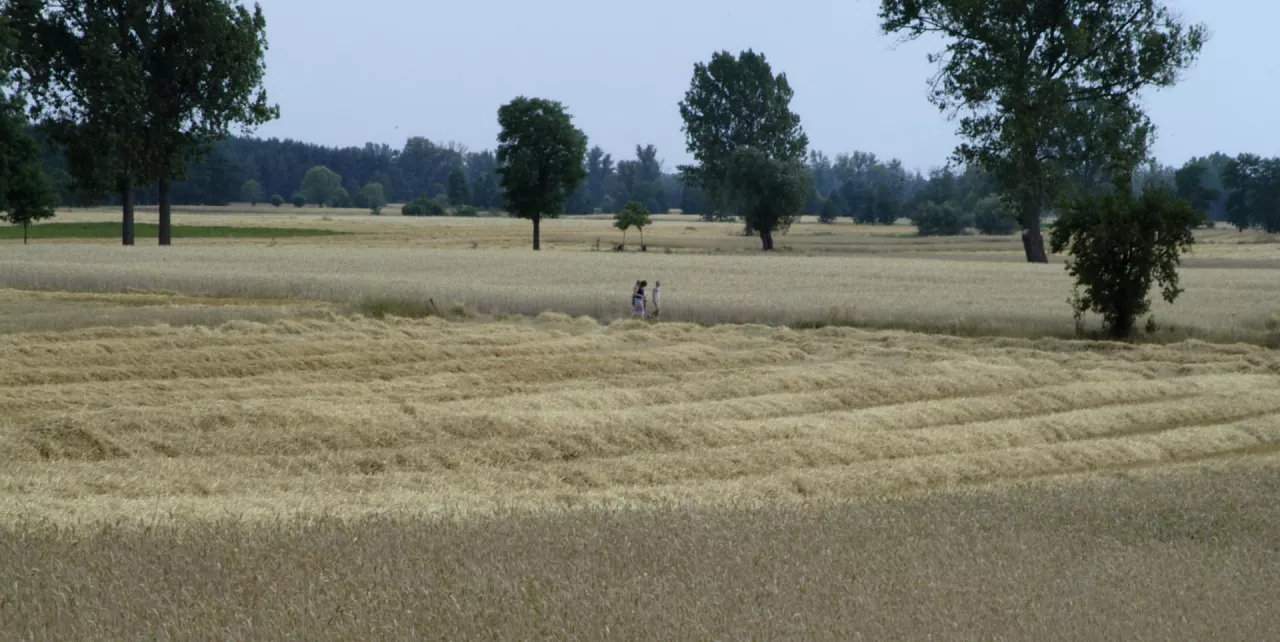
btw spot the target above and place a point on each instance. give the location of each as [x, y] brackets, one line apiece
[205, 63]
[769, 192]
[733, 103]
[540, 159]
[1254, 186]
[83, 64]
[1045, 86]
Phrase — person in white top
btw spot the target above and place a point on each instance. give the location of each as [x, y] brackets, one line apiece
[657, 297]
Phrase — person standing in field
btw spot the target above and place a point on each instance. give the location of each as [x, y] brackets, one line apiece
[657, 299]
[638, 299]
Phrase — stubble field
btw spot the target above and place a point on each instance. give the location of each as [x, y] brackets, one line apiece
[267, 463]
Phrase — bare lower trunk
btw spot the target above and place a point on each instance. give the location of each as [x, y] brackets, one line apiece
[26, 225]
[537, 224]
[166, 228]
[1032, 238]
[766, 240]
[126, 196]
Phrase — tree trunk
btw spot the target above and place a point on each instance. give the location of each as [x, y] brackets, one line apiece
[1033, 242]
[766, 239]
[26, 225]
[126, 196]
[166, 228]
[1122, 326]
[537, 223]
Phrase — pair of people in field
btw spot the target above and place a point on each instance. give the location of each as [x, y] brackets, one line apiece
[640, 305]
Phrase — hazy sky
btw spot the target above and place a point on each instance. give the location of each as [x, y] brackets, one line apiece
[347, 72]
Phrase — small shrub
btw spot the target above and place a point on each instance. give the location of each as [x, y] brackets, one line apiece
[467, 211]
[1122, 245]
[830, 211]
[340, 198]
[277, 200]
[991, 217]
[932, 219]
[423, 206]
[299, 200]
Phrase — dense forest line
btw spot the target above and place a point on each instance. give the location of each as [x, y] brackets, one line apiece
[856, 185]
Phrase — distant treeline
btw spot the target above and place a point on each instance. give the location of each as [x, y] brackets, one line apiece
[857, 185]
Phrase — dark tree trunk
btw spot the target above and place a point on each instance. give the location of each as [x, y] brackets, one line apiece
[126, 196]
[1032, 239]
[26, 225]
[766, 240]
[1122, 327]
[537, 223]
[166, 228]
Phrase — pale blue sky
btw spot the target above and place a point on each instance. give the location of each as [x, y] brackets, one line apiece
[441, 69]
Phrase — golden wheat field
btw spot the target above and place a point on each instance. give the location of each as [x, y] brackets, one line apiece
[347, 415]
[220, 440]
[317, 475]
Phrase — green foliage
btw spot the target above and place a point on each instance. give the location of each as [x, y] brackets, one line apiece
[830, 211]
[251, 192]
[423, 206]
[298, 199]
[374, 197]
[733, 103]
[607, 205]
[1254, 186]
[134, 89]
[467, 211]
[991, 216]
[1120, 245]
[25, 192]
[1047, 86]
[768, 192]
[540, 159]
[340, 198]
[458, 191]
[1191, 182]
[633, 215]
[940, 219]
[319, 185]
[277, 200]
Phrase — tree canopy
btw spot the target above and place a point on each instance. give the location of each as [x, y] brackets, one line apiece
[1120, 246]
[733, 103]
[769, 192]
[540, 159]
[374, 197]
[134, 89]
[1254, 184]
[319, 185]
[1046, 86]
[633, 215]
[251, 192]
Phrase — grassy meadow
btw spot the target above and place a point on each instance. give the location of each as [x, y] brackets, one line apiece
[866, 435]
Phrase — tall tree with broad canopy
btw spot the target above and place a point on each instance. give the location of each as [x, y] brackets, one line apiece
[733, 103]
[1041, 81]
[205, 63]
[133, 89]
[540, 156]
[83, 65]
[769, 192]
[1254, 185]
